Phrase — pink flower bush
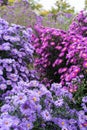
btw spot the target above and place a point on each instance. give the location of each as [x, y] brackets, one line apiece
[51, 46]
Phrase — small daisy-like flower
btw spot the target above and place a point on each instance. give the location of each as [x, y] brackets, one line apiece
[59, 102]
[20, 98]
[6, 123]
[46, 115]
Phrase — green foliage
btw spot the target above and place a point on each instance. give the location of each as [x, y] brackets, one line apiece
[85, 5]
[35, 5]
[62, 6]
[80, 93]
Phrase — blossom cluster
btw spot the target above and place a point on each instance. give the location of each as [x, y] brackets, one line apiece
[79, 25]
[77, 56]
[31, 106]
[51, 46]
[61, 56]
[77, 53]
[16, 53]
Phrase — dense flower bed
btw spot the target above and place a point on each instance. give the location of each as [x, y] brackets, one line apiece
[32, 106]
[60, 60]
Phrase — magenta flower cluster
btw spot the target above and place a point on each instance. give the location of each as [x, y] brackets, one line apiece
[61, 56]
[79, 25]
[51, 50]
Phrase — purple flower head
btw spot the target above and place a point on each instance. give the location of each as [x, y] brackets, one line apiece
[3, 86]
[84, 99]
[26, 108]
[6, 123]
[5, 108]
[46, 115]
[20, 98]
[27, 125]
[59, 103]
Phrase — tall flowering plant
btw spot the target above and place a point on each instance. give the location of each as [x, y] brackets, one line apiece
[51, 49]
[16, 53]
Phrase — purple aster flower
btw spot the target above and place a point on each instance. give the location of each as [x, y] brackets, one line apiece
[16, 121]
[20, 98]
[34, 97]
[28, 125]
[56, 86]
[72, 127]
[25, 107]
[62, 122]
[33, 83]
[6, 46]
[13, 77]
[81, 116]
[5, 108]
[3, 86]
[1, 70]
[64, 128]
[72, 121]
[84, 99]
[8, 68]
[46, 115]
[84, 106]
[59, 102]
[6, 123]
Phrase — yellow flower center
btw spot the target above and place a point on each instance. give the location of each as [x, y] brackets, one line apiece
[34, 98]
[28, 125]
[62, 123]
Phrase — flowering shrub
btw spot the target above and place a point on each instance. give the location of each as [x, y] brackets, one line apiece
[61, 55]
[77, 54]
[51, 47]
[16, 53]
